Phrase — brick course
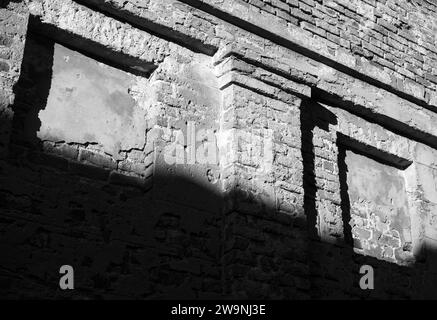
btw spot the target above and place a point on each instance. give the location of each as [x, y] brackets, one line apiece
[299, 96]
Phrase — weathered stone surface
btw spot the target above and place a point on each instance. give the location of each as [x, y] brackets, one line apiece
[218, 149]
[378, 193]
[90, 102]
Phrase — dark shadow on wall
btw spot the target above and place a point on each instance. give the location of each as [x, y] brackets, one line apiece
[323, 258]
[167, 33]
[369, 115]
[313, 115]
[5, 3]
[32, 91]
[172, 240]
[39, 31]
[178, 239]
[333, 260]
[33, 87]
[344, 195]
[128, 242]
[345, 143]
[173, 236]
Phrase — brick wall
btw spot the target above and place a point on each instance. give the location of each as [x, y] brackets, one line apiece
[13, 26]
[390, 41]
[297, 97]
[397, 37]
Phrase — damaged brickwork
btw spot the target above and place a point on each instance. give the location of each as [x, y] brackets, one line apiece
[323, 114]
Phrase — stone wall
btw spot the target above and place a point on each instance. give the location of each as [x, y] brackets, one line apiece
[218, 149]
[390, 41]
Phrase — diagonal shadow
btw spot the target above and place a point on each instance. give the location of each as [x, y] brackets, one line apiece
[178, 237]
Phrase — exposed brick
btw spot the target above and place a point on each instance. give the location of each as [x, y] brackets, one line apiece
[313, 28]
[351, 108]
[387, 25]
[97, 159]
[4, 66]
[431, 77]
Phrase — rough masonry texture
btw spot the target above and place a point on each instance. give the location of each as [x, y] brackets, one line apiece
[301, 135]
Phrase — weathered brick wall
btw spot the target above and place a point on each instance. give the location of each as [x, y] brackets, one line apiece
[321, 114]
[396, 37]
[13, 25]
[390, 41]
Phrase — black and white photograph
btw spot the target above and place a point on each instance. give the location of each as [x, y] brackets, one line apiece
[220, 155]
